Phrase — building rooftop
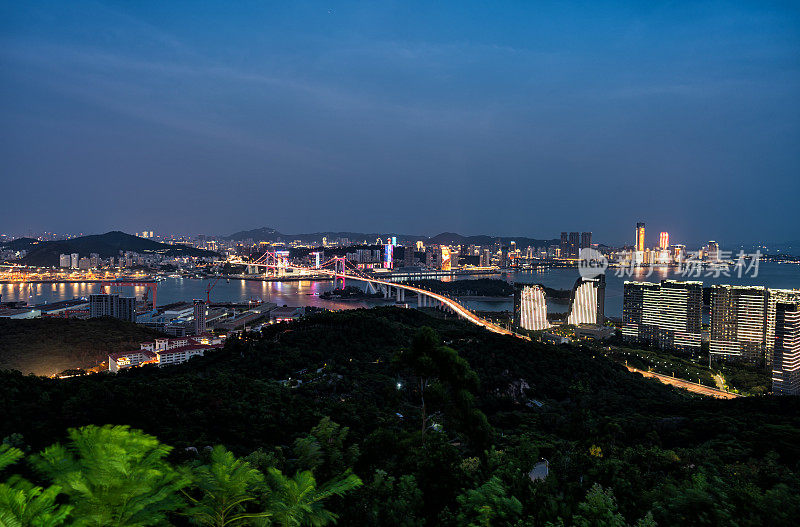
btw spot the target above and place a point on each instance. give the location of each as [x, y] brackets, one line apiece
[64, 304]
[16, 311]
[190, 347]
[121, 354]
[284, 311]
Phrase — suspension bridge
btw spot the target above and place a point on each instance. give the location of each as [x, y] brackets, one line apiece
[341, 270]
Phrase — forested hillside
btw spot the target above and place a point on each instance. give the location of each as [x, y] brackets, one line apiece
[443, 423]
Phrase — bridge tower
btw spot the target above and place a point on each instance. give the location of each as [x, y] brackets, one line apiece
[338, 270]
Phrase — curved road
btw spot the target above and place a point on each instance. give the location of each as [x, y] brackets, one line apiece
[467, 315]
[686, 385]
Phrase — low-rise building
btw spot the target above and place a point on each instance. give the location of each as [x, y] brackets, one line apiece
[285, 314]
[164, 352]
[128, 359]
[65, 309]
[594, 332]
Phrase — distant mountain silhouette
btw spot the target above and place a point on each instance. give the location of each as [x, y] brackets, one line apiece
[105, 245]
[452, 238]
[20, 244]
[268, 234]
[264, 234]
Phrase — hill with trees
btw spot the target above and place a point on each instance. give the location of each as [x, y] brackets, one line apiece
[105, 245]
[46, 346]
[442, 422]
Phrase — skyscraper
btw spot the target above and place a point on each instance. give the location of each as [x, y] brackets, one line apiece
[112, 305]
[786, 353]
[738, 322]
[446, 264]
[667, 315]
[774, 296]
[587, 302]
[574, 244]
[663, 240]
[530, 308]
[564, 245]
[199, 317]
[640, 236]
[586, 240]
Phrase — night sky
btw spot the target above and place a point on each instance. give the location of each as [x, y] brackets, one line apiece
[414, 117]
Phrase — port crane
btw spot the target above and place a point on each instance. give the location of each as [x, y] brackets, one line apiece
[210, 287]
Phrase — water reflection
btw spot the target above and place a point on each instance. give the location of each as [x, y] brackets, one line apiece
[306, 293]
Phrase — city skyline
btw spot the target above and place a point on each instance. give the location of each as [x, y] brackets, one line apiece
[652, 239]
[473, 119]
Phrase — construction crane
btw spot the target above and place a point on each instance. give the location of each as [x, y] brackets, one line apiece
[209, 287]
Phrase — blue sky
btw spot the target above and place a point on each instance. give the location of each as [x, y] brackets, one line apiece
[519, 118]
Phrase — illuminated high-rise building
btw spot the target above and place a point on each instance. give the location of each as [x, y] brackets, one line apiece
[663, 240]
[564, 244]
[775, 296]
[530, 308]
[388, 255]
[667, 315]
[587, 303]
[786, 352]
[639, 236]
[446, 264]
[738, 322]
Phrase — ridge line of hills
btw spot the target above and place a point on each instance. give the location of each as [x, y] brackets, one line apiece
[46, 253]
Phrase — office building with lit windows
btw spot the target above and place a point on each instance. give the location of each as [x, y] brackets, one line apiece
[786, 352]
[530, 308]
[738, 322]
[775, 296]
[667, 315]
[639, 237]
